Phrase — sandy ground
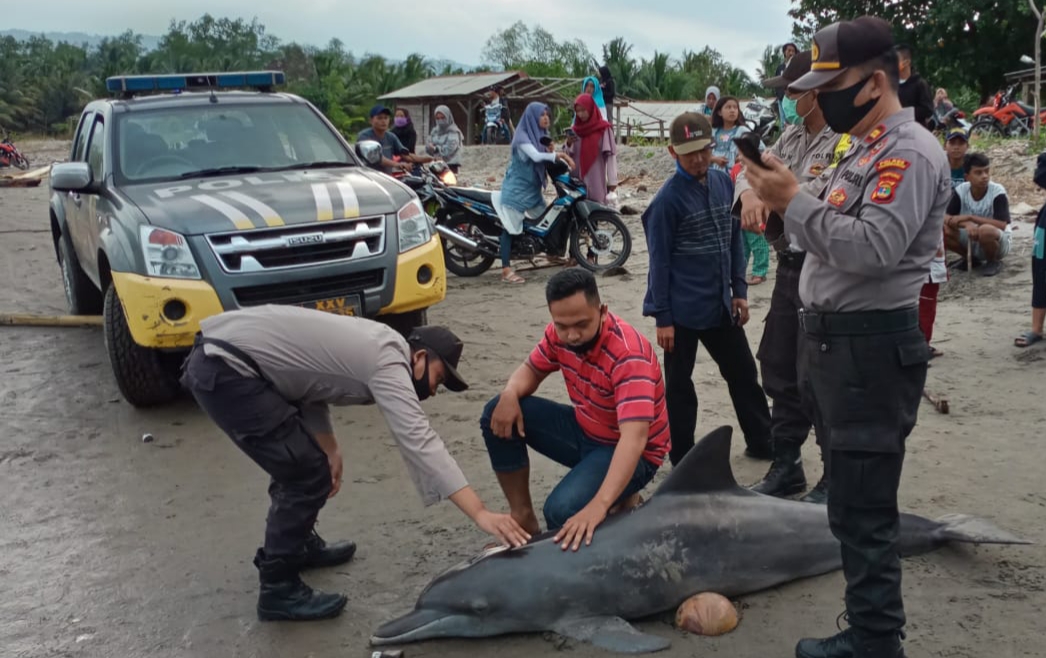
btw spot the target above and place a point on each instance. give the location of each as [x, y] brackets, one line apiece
[114, 547]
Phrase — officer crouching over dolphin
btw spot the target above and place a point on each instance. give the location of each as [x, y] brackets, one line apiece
[265, 376]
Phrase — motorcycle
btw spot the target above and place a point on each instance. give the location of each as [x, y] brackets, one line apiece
[470, 227]
[495, 128]
[761, 117]
[941, 122]
[1005, 117]
[10, 156]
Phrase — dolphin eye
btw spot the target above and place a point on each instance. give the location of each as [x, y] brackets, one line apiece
[480, 606]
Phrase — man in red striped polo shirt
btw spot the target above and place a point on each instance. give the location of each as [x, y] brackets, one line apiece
[614, 436]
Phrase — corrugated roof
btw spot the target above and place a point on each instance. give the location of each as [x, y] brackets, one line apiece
[450, 85]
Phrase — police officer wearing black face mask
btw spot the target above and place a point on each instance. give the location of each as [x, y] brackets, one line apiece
[869, 239]
[266, 376]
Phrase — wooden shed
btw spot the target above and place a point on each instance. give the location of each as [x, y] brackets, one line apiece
[464, 95]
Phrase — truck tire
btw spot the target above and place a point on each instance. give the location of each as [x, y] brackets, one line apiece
[404, 323]
[145, 376]
[81, 295]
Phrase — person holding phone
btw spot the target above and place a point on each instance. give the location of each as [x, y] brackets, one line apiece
[810, 149]
[696, 288]
[870, 238]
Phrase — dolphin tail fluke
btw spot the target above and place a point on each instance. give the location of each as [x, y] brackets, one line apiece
[971, 530]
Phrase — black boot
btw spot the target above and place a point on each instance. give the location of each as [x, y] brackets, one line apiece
[284, 596]
[319, 554]
[786, 476]
[880, 646]
[819, 494]
[840, 645]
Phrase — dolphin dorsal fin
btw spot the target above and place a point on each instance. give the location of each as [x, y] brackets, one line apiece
[706, 467]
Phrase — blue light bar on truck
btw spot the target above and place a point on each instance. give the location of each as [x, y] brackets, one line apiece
[194, 81]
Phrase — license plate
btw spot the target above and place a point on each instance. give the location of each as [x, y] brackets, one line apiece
[337, 305]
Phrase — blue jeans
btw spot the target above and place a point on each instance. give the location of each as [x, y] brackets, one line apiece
[553, 431]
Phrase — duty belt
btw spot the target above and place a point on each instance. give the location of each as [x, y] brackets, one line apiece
[862, 323]
[247, 359]
[792, 259]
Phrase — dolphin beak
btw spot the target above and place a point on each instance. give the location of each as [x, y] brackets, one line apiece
[421, 624]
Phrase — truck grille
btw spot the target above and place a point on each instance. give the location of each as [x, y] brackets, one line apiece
[288, 247]
[298, 292]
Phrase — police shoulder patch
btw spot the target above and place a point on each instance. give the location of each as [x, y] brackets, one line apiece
[875, 134]
[892, 163]
[838, 197]
[885, 187]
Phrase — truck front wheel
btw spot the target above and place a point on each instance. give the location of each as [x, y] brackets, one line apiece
[146, 377]
[405, 322]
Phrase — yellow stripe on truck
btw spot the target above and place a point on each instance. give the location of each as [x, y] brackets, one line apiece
[271, 217]
[143, 299]
[324, 206]
[408, 294]
[349, 202]
[234, 214]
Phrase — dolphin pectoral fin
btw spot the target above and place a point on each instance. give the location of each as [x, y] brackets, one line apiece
[613, 634]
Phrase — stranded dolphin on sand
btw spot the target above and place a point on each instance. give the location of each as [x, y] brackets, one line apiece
[699, 532]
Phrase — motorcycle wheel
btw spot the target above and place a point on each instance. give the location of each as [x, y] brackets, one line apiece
[21, 162]
[610, 247]
[462, 260]
[987, 127]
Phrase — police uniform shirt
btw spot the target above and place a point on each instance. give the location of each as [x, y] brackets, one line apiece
[872, 235]
[315, 359]
[808, 156]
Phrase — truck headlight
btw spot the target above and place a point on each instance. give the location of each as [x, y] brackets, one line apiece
[414, 228]
[167, 254]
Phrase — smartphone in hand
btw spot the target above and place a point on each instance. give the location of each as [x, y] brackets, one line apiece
[748, 145]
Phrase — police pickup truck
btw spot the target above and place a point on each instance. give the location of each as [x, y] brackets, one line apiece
[183, 197]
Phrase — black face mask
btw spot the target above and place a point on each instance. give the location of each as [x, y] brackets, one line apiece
[838, 107]
[421, 385]
[581, 349]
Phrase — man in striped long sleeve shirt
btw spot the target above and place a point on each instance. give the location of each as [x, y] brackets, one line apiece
[613, 437]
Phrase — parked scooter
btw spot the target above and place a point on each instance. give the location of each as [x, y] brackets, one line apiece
[10, 156]
[761, 117]
[470, 227]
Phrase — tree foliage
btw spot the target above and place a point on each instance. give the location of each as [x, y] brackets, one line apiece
[965, 46]
[958, 44]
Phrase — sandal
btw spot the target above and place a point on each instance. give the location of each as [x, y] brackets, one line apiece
[756, 280]
[934, 352]
[1027, 339]
[513, 278]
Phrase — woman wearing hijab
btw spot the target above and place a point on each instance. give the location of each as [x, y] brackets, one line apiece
[524, 180]
[591, 86]
[593, 149]
[445, 140]
[711, 99]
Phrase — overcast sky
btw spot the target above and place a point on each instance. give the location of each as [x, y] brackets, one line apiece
[440, 29]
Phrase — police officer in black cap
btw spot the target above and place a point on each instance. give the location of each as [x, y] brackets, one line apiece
[267, 376]
[869, 239]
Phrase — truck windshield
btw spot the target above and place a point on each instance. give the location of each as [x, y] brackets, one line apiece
[207, 140]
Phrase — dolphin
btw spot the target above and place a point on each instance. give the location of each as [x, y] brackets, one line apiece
[699, 532]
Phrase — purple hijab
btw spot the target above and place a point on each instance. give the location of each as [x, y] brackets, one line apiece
[529, 131]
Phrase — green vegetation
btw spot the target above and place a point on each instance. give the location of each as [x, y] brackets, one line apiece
[44, 85]
[962, 45]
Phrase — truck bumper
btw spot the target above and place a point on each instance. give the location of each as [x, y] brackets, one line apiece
[166, 313]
